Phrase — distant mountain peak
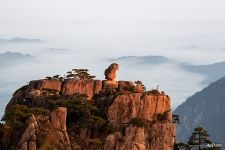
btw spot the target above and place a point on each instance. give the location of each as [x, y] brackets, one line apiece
[149, 59]
[19, 40]
[206, 109]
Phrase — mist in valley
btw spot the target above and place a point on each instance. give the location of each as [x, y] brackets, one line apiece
[93, 34]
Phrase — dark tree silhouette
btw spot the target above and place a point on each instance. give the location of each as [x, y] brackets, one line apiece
[80, 74]
[139, 82]
[176, 119]
[199, 138]
[56, 77]
[48, 78]
[198, 141]
[18, 114]
[181, 146]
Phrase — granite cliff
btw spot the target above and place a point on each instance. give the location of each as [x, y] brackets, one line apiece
[89, 114]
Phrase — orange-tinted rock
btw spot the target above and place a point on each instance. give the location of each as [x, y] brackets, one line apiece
[125, 86]
[54, 85]
[161, 136]
[134, 139]
[29, 138]
[107, 84]
[88, 87]
[128, 106]
[110, 72]
[118, 103]
[58, 118]
[138, 89]
[111, 141]
[54, 127]
[124, 108]
[155, 104]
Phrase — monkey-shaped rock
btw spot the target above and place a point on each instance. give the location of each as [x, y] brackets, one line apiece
[110, 72]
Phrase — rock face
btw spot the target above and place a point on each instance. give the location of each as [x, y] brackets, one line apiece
[54, 85]
[88, 87]
[128, 106]
[116, 115]
[160, 136]
[133, 138]
[54, 129]
[29, 138]
[110, 72]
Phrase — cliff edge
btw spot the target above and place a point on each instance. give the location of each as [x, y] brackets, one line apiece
[74, 114]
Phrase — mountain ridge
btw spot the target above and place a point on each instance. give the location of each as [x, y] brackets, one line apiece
[206, 109]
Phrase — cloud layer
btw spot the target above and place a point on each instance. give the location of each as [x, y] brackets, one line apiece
[85, 34]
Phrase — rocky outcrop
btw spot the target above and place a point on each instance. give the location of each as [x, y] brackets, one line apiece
[128, 106]
[54, 85]
[88, 87]
[50, 129]
[110, 72]
[29, 139]
[115, 115]
[139, 88]
[160, 136]
[125, 86]
[133, 139]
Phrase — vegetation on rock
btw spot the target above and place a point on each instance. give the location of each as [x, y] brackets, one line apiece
[81, 74]
[137, 122]
[176, 119]
[18, 115]
[162, 116]
[109, 114]
[81, 111]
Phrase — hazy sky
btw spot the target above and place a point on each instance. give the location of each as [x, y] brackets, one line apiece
[93, 30]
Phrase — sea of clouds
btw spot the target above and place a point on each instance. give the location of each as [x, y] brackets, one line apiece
[88, 34]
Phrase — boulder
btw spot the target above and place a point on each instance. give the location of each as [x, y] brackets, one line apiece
[110, 72]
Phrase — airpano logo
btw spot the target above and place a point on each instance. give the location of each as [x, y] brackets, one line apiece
[213, 145]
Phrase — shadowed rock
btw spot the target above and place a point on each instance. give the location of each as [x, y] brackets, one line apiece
[55, 134]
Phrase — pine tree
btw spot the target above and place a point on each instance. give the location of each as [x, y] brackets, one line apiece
[81, 74]
[176, 119]
[199, 138]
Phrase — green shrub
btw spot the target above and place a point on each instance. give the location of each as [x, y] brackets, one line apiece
[18, 114]
[154, 91]
[137, 122]
[109, 129]
[162, 116]
[81, 111]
